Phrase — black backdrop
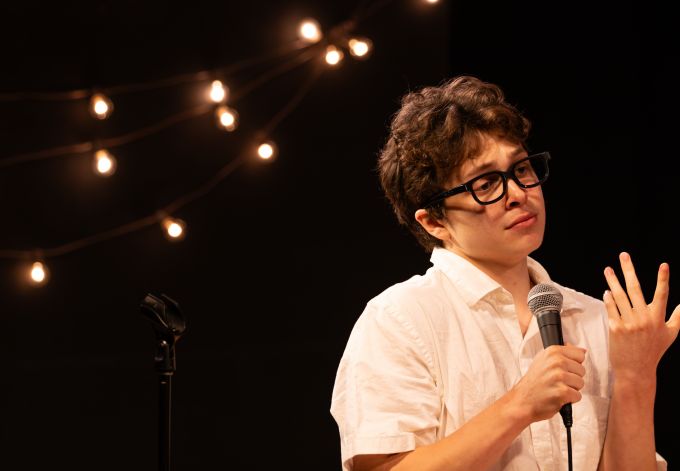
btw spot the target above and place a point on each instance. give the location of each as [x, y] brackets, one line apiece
[279, 260]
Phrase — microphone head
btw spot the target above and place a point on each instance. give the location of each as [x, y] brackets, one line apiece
[544, 297]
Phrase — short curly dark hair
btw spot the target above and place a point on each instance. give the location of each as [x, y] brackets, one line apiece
[435, 130]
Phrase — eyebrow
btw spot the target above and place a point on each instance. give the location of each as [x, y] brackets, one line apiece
[479, 169]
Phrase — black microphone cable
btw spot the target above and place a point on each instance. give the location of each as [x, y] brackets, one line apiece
[565, 412]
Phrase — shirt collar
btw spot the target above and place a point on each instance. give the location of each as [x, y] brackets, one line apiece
[474, 285]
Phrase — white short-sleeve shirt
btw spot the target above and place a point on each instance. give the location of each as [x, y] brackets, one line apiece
[428, 354]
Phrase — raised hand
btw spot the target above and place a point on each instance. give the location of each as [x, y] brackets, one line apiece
[638, 332]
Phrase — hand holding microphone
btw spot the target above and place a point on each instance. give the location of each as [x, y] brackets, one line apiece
[555, 376]
[545, 302]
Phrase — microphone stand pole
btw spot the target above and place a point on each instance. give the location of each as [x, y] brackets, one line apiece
[165, 366]
[169, 324]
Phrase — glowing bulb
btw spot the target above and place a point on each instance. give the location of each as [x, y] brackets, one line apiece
[104, 163]
[267, 150]
[100, 106]
[333, 55]
[310, 31]
[227, 118]
[174, 228]
[360, 47]
[431, 1]
[218, 92]
[38, 274]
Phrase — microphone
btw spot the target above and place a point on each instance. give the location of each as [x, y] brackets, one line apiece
[545, 302]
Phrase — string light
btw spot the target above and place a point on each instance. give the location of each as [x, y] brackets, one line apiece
[333, 55]
[360, 47]
[38, 274]
[310, 31]
[104, 163]
[218, 92]
[227, 118]
[267, 151]
[100, 106]
[175, 229]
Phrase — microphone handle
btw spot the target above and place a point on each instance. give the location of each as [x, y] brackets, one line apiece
[567, 418]
[550, 327]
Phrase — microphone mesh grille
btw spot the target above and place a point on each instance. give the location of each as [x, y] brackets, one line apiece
[544, 297]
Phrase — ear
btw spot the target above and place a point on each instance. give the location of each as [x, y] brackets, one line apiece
[432, 225]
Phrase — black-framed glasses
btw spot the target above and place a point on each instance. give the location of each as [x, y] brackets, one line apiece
[492, 186]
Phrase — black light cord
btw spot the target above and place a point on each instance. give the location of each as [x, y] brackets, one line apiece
[571, 465]
[568, 421]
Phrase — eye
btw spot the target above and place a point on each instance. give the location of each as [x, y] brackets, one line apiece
[525, 172]
[486, 183]
[522, 168]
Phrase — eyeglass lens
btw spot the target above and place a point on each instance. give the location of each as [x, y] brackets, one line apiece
[528, 172]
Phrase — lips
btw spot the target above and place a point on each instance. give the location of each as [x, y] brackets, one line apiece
[521, 219]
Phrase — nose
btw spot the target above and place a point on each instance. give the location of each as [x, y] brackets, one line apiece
[516, 195]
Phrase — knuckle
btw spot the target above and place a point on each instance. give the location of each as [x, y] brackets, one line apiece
[565, 392]
[552, 350]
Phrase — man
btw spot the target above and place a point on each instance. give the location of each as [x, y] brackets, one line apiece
[447, 371]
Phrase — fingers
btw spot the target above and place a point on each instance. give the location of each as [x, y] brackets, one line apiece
[612, 310]
[569, 357]
[574, 381]
[661, 292]
[573, 396]
[619, 295]
[573, 352]
[674, 321]
[632, 284]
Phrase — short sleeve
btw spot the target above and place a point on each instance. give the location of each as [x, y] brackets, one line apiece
[385, 398]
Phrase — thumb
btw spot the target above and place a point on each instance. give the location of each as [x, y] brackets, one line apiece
[674, 321]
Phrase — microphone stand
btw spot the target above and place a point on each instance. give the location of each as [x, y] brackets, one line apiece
[168, 323]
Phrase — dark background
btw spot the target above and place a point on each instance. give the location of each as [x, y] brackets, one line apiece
[280, 259]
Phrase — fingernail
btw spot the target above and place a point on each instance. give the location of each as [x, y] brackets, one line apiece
[606, 293]
[625, 256]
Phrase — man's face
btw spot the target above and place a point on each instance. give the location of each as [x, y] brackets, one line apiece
[504, 232]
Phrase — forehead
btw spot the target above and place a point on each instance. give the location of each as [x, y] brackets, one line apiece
[495, 153]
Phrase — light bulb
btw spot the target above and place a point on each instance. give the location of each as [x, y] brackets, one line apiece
[38, 274]
[310, 31]
[100, 106]
[333, 55]
[360, 47]
[227, 118]
[104, 163]
[267, 151]
[431, 1]
[175, 229]
[218, 92]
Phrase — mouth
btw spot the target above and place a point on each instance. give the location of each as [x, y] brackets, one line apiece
[523, 221]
